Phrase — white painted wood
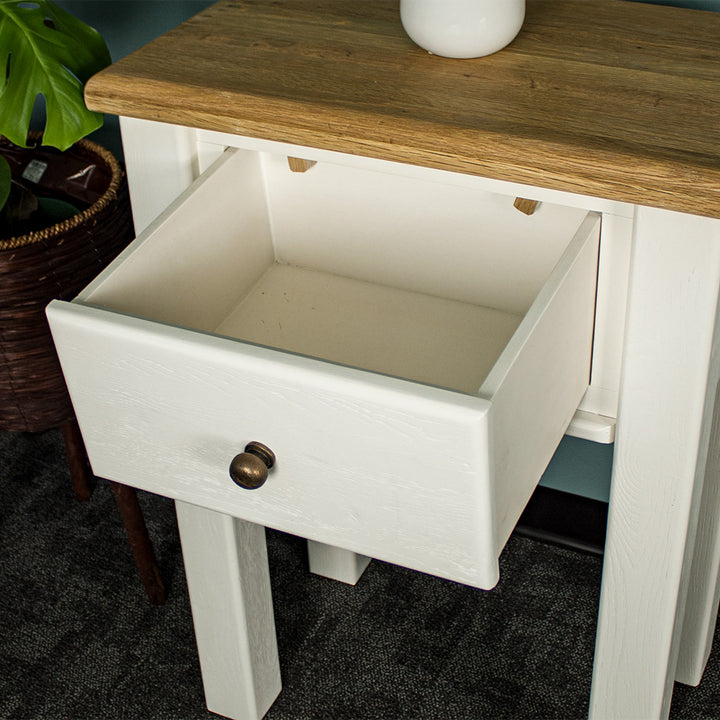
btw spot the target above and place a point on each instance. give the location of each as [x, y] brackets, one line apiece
[704, 584]
[334, 219]
[229, 585]
[471, 247]
[453, 242]
[415, 234]
[160, 161]
[591, 426]
[385, 467]
[203, 253]
[701, 609]
[207, 155]
[336, 563]
[155, 187]
[406, 334]
[452, 231]
[358, 454]
[540, 377]
[596, 416]
[665, 415]
[601, 397]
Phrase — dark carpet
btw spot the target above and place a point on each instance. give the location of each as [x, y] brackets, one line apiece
[79, 640]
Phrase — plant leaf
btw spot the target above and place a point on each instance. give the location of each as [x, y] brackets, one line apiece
[55, 61]
[5, 178]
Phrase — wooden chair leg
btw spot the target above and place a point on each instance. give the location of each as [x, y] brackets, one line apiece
[77, 459]
[131, 514]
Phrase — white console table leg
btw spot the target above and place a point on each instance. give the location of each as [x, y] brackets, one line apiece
[670, 374]
[333, 562]
[704, 586]
[227, 575]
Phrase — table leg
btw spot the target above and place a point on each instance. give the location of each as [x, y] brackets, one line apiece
[336, 563]
[704, 586]
[670, 374]
[129, 508]
[78, 464]
[229, 584]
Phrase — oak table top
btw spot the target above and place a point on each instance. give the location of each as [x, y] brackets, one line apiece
[607, 98]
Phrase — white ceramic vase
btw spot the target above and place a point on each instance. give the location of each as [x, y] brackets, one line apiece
[462, 28]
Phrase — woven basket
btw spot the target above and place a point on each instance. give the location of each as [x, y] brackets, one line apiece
[56, 262]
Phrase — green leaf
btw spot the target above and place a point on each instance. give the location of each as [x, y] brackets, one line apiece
[5, 177]
[47, 51]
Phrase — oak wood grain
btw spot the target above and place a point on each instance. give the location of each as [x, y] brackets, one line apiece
[601, 97]
[300, 165]
[528, 207]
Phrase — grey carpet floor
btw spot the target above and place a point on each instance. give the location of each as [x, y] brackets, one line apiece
[79, 641]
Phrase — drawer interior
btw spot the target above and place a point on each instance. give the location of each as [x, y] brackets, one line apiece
[405, 277]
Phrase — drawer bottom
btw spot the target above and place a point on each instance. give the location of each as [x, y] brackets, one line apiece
[396, 332]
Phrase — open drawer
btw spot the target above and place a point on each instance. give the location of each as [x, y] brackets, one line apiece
[411, 351]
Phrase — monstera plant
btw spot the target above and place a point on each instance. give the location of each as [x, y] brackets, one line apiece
[45, 52]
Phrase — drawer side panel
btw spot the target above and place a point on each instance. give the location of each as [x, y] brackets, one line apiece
[539, 380]
[192, 263]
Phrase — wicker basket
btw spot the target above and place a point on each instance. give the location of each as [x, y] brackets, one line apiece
[56, 262]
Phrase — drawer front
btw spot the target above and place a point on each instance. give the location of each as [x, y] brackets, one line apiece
[389, 468]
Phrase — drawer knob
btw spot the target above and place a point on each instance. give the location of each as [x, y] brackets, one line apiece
[249, 469]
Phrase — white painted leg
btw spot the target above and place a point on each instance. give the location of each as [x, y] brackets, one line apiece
[701, 608]
[227, 574]
[161, 161]
[333, 562]
[670, 373]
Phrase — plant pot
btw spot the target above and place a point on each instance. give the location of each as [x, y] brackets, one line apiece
[55, 262]
[462, 28]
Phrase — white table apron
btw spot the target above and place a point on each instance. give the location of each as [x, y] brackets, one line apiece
[657, 579]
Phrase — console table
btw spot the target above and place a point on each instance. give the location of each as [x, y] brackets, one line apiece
[379, 286]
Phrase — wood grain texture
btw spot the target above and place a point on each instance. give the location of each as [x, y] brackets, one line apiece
[528, 207]
[704, 583]
[229, 584]
[354, 450]
[670, 372]
[599, 97]
[525, 206]
[300, 165]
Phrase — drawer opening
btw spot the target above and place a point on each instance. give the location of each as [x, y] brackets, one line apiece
[398, 276]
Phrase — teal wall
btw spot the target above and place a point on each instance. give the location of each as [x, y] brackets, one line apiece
[127, 25]
[579, 466]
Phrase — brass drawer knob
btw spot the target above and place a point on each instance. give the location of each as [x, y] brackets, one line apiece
[249, 469]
